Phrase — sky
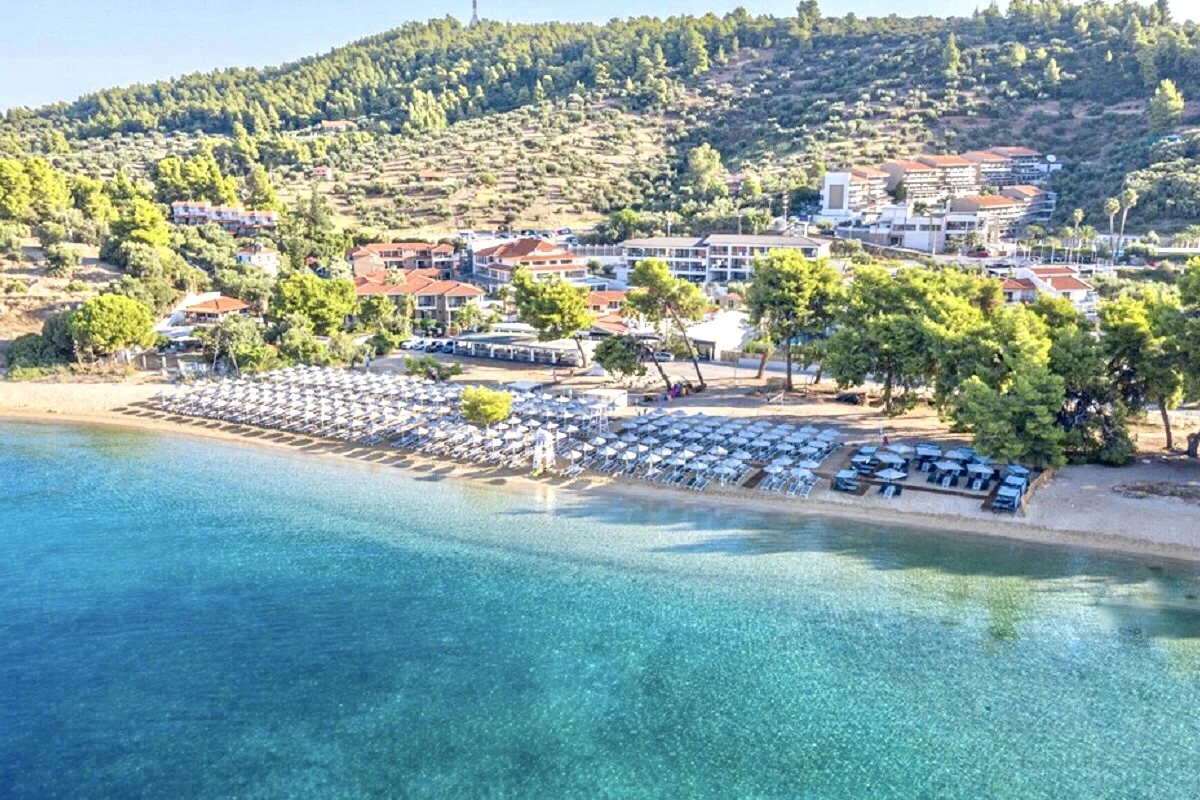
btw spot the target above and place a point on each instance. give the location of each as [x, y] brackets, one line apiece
[60, 49]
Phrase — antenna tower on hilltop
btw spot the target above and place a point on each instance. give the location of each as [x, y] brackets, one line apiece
[474, 12]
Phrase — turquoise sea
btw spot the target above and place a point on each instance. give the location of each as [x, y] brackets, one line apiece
[187, 618]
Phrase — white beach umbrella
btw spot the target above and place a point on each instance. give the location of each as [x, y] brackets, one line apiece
[810, 464]
[902, 449]
[773, 469]
[890, 475]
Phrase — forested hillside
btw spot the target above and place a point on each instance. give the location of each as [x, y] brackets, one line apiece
[554, 123]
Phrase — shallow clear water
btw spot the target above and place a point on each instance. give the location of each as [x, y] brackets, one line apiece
[184, 618]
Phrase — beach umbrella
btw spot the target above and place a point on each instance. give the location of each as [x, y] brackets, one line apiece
[628, 455]
[721, 451]
[902, 449]
[741, 455]
[773, 469]
[739, 440]
[676, 461]
[664, 451]
[948, 466]
[829, 433]
[890, 458]
[785, 448]
[699, 465]
[598, 441]
[653, 458]
[686, 454]
[587, 447]
[641, 448]
[980, 469]
[890, 475]
[810, 464]
[608, 452]
[956, 455]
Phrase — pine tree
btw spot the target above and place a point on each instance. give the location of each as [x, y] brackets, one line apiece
[1166, 108]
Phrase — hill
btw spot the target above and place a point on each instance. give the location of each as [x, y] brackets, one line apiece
[557, 124]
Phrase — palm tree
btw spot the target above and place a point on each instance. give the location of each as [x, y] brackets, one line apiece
[1189, 236]
[1129, 199]
[1054, 243]
[1112, 207]
[1087, 235]
[1077, 219]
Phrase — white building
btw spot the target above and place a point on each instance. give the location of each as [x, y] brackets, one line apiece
[716, 258]
[261, 256]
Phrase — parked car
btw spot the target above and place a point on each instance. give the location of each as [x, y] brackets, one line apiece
[433, 347]
[664, 356]
[405, 345]
[418, 345]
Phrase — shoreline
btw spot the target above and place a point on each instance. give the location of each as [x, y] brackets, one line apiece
[992, 528]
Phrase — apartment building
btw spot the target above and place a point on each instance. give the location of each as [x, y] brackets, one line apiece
[1028, 166]
[957, 176]
[717, 257]
[496, 264]
[992, 169]
[235, 219]
[850, 193]
[997, 216]
[369, 258]
[1039, 203]
[730, 256]
[686, 256]
[922, 182]
[433, 298]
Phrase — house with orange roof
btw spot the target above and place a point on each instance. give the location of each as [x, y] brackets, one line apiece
[214, 311]
[544, 260]
[368, 258]
[433, 298]
[604, 302]
[1056, 281]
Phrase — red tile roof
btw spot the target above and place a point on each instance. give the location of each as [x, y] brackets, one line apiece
[945, 161]
[219, 305]
[985, 156]
[612, 323]
[910, 166]
[864, 171]
[604, 298]
[404, 248]
[414, 284]
[1017, 284]
[990, 200]
[1046, 272]
[1068, 283]
[1015, 151]
[522, 248]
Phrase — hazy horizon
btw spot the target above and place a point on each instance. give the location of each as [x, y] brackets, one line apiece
[144, 42]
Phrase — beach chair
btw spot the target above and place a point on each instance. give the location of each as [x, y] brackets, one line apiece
[806, 487]
[888, 490]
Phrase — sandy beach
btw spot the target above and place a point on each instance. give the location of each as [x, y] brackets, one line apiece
[1078, 507]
